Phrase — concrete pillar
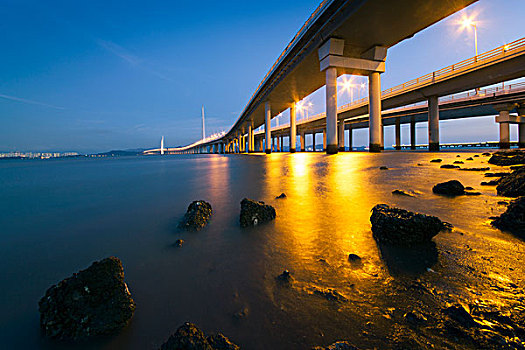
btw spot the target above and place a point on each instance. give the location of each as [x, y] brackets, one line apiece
[330, 140]
[412, 133]
[341, 136]
[250, 138]
[267, 131]
[398, 134]
[504, 131]
[433, 124]
[293, 129]
[303, 147]
[324, 140]
[374, 110]
[521, 135]
[281, 144]
[350, 134]
[313, 141]
[382, 135]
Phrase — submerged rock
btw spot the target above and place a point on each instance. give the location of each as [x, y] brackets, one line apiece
[512, 185]
[436, 160]
[190, 337]
[354, 257]
[197, 216]
[281, 196]
[460, 315]
[285, 277]
[486, 154]
[179, 242]
[254, 213]
[383, 168]
[414, 317]
[469, 158]
[513, 219]
[449, 166]
[497, 174]
[402, 227]
[449, 188]
[330, 294]
[508, 158]
[490, 183]
[94, 301]
[459, 162]
[339, 345]
[402, 193]
[475, 169]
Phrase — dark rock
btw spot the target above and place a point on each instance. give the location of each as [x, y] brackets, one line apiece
[179, 242]
[508, 158]
[468, 188]
[486, 154]
[436, 160]
[449, 166]
[457, 156]
[190, 337]
[503, 203]
[459, 162]
[354, 257]
[469, 158]
[94, 301]
[281, 196]
[449, 188]
[476, 155]
[516, 167]
[401, 227]
[513, 219]
[285, 277]
[475, 169]
[402, 193]
[419, 164]
[512, 185]
[339, 345]
[490, 183]
[254, 213]
[242, 313]
[414, 317]
[330, 294]
[460, 315]
[383, 168]
[197, 216]
[467, 193]
[496, 174]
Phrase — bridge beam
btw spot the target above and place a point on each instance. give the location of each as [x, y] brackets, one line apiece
[398, 133]
[433, 123]
[267, 127]
[341, 136]
[505, 119]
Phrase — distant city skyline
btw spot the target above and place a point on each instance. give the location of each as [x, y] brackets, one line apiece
[92, 78]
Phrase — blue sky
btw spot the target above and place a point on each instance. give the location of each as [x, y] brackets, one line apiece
[96, 75]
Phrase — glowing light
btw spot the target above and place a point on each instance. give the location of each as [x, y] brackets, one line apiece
[346, 85]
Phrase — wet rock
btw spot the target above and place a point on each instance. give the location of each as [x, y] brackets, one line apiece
[516, 167]
[383, 168]
[475, 169]
[281, 196]
[254, 213]
[414, 318]
[419, 164]
[490, 183]
[503, 203]
[468, 188]
[401, 227]
[508, 158]
[496, 174]
[469, 158]
[285, 277]
[94, 301]
[339, 345]
[459, 162]
[179, 243]
[486, 154]
[460, 315]
[476, 155]
[354, 257]
[472, 193]
[457, 156]
[512, 185]
[197, 216]
[449, 166]
[449, 188]
[242, 313]
[513, 219]
[402, 193]
[330, 294]
[436, 160]
[190, 337]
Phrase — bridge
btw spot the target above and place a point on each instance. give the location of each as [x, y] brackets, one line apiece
[352, 37]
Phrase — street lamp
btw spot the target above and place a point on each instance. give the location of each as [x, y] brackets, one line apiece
[467, 23]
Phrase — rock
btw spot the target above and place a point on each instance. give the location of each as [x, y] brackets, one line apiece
[469, 158]
[254, 213]
[179, 242]
[516, 167]
[490, 183]
[508, 158]
[459, 162]
[513, 219]
[449, 166]
[468, 188]
[476, 155]
[469, 193]
[436, 160]
[459, 155]
[197, 216]
[486, 154]
[414, 317]
[281, 196]
[94, 301]
[330, 294]
[402, 193]
[401, 227]
[460, 315]
[475, 169]
[449, 188]
[285, 277]
[354, 257]
[383, 168]
[512, 185]
[242, 313]
[503, 203]
[339, 345]
[497, 174]
[419, 164]
[190, 337]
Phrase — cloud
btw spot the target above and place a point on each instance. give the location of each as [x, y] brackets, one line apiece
[23, 100]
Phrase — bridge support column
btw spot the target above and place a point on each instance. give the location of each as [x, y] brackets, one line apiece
[303, 148]
[412, 133]
[330, 133]
[382, 136]
[267, 130]
[433, 123]
[250, 138]
[398, 134]
[281, 144]
[350, 134]
[293, 129]
[313, 141]
[504, 134]
[505, 119]
[341, 136]
[374, 106]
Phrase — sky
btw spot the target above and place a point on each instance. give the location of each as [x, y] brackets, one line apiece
[92, 76]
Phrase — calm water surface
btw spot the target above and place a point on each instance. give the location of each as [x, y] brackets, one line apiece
[58, 216]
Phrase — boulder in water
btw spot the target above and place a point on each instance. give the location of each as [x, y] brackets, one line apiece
[254, 213]
[281, 196]
[197, 216]
[512, 185]
[508, 158]
[190, 337]
[94, 301]
[402, 227]
[436, 160]
[449, 188]
[402, 193]
[449, 166]
[513, 219]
